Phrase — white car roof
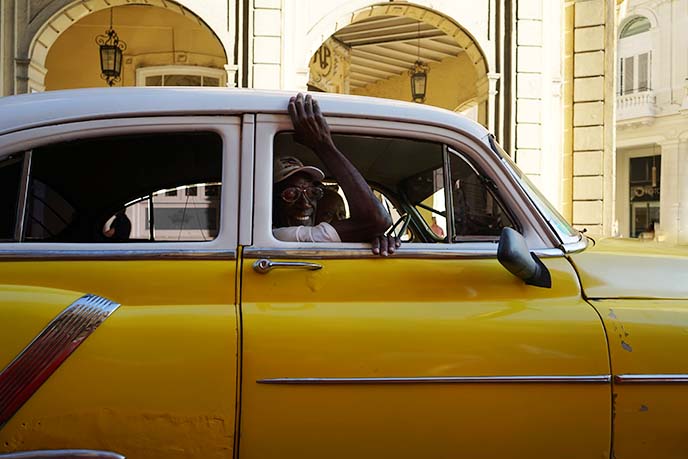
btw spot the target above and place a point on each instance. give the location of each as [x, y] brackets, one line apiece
[54, 107]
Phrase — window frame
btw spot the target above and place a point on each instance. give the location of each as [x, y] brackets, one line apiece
[476, 151]
[450, 194]
[228, 128]
[635, 72]
[192, 70]
[626, 32]
[632, 47]
[23, 157]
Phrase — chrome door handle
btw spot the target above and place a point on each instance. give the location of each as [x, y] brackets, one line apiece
[264, 266]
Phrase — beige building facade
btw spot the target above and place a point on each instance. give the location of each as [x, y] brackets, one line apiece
[540, 74]
[652, 120]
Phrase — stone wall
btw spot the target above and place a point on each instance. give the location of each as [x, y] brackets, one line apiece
[593, 115]
[266, 48]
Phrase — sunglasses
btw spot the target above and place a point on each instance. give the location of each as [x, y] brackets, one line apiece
[293, 193]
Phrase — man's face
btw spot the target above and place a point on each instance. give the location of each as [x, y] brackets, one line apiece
[300, 212]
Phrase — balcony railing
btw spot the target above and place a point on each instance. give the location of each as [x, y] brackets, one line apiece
[637, 106]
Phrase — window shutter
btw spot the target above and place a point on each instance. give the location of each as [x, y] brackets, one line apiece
[628, 85]
[644, 72]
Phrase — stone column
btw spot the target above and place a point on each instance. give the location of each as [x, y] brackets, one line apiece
[529, 87]
[682, 173]
[593, 116]
[492, 121]
[6, 47]
[231, 75]
[682, 187]
[266, 59]
[669, 194]
[684, 106]
[21, 72]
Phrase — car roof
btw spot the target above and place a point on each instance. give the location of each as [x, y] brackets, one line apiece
[55, 107]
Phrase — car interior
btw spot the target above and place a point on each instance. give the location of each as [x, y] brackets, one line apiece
[410, 178]
[76, 187]
[167, 187]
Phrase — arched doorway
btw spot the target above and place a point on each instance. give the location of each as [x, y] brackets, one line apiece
[374, 53]
[170, 39]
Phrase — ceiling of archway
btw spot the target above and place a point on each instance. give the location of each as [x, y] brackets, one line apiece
[387, 46]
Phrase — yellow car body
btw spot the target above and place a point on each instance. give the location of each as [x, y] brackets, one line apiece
[437, 351]
[640, 289]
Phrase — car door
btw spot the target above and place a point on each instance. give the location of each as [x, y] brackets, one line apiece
[120, 342]
[436, 351]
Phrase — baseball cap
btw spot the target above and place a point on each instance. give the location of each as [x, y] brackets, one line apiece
[287, 166]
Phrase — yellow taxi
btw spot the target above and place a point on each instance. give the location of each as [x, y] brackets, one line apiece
[148, 311]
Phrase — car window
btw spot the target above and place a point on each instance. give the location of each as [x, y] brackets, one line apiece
[478, 213]
[565, 231]
[103, 189]
[11, 169]
[417, 182]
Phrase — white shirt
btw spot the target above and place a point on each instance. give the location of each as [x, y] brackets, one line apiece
[322, 232]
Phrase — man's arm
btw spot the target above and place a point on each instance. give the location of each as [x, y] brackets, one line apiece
[368, 219]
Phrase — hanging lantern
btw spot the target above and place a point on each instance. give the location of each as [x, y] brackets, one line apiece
[419, 76]
[111, 48]
[419, 81]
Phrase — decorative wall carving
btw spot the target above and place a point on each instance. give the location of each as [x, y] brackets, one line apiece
[329, 67]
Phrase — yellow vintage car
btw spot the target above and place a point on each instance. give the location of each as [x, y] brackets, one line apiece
[495, 331]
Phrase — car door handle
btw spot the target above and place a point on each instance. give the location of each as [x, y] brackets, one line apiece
[264, 266]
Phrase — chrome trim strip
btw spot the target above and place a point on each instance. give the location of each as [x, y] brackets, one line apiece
[39, 360]
[114, 254]
[548, 253]
[576, 247]
[595, 379]
[449, 189]
[246, 189]
[651, 379]
[337, 253]
[62, 454]
[23, 197]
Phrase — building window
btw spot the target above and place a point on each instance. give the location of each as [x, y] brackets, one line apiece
[635, 57]
[635, 73]
[180, 75]
[212, 191]
[635, 26]
[644, 181]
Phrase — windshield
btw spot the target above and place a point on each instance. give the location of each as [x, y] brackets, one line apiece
[566, 232]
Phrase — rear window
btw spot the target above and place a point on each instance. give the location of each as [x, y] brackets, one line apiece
[137, 188]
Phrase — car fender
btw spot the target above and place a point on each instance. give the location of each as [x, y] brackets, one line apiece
[43, 328]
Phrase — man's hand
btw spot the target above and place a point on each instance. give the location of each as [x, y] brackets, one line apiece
[385, 245]
[310, 126]
[367, 216]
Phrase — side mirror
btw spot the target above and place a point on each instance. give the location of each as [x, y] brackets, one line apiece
[514, 255]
